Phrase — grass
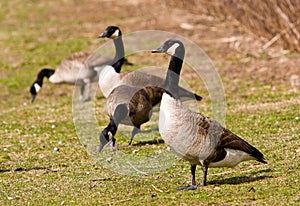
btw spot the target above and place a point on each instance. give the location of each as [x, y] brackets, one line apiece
[33, 173]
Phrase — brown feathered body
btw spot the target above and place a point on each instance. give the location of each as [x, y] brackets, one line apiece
[139, 102]
[79, 67]
[110, 79]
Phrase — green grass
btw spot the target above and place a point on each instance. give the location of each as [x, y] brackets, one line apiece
[33, 173]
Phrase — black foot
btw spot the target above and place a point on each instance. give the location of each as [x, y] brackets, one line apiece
[188, 187]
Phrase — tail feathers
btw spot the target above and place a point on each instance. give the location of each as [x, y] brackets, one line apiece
[256, 153]
[185, 93]
[262, 161]
[197, 97]
[252, 151]
[232, 141]
[260, 158]
[126, 62]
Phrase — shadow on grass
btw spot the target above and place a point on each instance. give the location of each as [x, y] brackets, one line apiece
[261, 171]
[22, 169]
[154, 141]
[239, 180]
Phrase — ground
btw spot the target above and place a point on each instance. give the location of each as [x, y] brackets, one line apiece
[262, 102]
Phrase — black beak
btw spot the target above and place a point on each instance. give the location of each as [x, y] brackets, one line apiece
[103, 35]
[158, 50]
[103, 142]
[33, 97]
[100, 147]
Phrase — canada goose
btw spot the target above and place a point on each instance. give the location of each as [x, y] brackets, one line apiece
[110, 76]
[130, 106]
[193, 136]
[77, 67]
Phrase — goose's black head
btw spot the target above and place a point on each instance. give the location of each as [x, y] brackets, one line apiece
[38, 83]
[172, 47]
[34, 89]
[111, 32]
[105, 137]
[176, 49]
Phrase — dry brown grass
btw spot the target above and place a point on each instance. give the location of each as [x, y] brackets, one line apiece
[274, 21]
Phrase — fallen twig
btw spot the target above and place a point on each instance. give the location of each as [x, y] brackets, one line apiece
[272, 41]
[159, 190]
[277, 36]
[100, 179]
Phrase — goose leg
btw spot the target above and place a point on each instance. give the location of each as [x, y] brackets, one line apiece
[133, 133]
[88, 98]
[185, 93]
[193, 185]
[81, 92]
[113, 142]
[205, 169]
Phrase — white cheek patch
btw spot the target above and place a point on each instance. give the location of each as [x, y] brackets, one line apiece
[115, 34]
[172, 49]
[37, 87]
[110, 136]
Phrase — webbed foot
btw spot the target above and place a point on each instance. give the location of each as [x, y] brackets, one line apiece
[188, 187]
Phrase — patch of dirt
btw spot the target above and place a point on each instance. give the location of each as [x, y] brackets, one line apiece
[272, 105]
[272, 71]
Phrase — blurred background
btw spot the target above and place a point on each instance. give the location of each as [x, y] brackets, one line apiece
[256, 39]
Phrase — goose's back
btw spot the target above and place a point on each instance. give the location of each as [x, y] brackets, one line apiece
[109, 79]
[141, 79]
[95, 59]
[77, 66]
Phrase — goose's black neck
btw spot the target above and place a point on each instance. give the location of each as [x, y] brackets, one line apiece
[119, 57]
[104, 136]
[46, 72]
[173, 74]
[112, 127]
